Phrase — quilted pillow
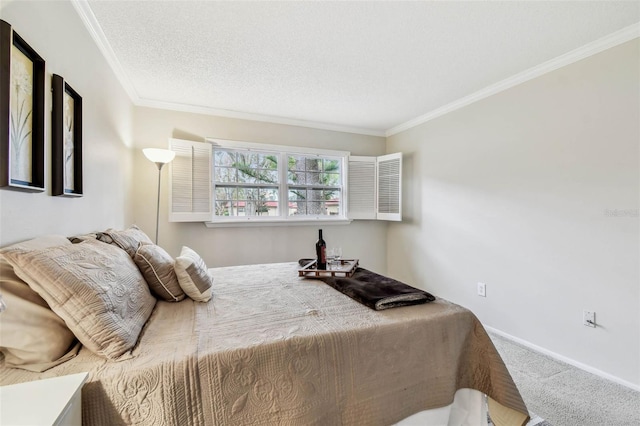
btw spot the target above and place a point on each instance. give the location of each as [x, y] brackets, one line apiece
[128, 240]
[193, 275]
[32, 336]
[156, 266]
[94, 287]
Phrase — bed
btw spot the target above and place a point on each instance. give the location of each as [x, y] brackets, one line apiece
[274, 348]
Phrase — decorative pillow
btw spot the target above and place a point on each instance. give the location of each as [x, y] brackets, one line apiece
[156, 266]
[193, 275]
[33, 337]
[94, 287]
[128, 240]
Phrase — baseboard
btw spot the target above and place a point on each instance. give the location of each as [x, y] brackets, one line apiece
[564, 359]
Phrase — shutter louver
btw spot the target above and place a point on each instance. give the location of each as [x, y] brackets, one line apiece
[190, 182]
[389, 170]
[362, 189]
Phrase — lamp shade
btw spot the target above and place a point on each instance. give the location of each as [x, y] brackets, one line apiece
[157, 155]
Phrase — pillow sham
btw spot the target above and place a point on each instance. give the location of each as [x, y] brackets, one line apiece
[32, 336]
[157, 269]
[94, 287]
[128, 240]
[193, 275]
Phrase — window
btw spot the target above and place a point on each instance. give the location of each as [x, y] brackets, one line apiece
[268, 183]
[225, 182]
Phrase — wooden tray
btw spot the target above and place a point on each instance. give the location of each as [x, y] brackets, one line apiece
[346, 269]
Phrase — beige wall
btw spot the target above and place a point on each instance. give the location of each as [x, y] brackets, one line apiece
[519, 191]
[55, 31]
[365, 240]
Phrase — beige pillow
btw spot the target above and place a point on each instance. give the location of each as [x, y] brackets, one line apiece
[94, 287]
[156, 266]
[32, 336]
[193, 275]
[128, 240]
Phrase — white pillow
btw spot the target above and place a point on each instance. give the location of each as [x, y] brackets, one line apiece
[193, 275]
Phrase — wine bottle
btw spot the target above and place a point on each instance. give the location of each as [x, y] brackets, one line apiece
[321, 252]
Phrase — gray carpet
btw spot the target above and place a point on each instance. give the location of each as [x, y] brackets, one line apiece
[563, 395]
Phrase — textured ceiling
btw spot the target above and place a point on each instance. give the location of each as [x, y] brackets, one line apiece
[365, 66]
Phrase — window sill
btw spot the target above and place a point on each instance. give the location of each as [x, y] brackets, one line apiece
[275, 222]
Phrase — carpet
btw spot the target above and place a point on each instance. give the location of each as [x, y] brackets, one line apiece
[564, 395]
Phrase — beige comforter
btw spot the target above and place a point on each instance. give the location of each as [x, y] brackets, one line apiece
[274, 348]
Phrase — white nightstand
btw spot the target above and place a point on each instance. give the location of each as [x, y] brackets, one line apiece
[55, 401]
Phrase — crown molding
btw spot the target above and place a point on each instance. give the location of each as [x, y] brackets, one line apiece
[92, 25]
[174, 106]
[626, 34]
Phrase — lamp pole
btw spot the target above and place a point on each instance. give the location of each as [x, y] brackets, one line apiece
[158, 204]
[160, 157]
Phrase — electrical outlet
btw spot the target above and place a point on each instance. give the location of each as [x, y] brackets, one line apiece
[589, 318]
[482, 289]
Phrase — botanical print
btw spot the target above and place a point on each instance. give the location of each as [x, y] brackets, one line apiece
[21, 115]
[68, 115]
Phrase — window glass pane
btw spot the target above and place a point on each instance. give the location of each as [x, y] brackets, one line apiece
[223, 193]
[223, 158]
[298, 208]
[268, 202]
[296, 177]
[332, 206]
[295, 162]
[331, 166]
[331, 179]
[313, 178]
[297, 194]
[225, 174]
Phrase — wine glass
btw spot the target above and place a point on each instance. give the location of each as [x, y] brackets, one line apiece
[337, 256]
[330, 256]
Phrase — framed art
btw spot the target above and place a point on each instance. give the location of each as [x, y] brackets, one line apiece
[21, 113]
[66, 139]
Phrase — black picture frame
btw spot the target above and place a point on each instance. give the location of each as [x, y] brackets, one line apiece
[66, 139]
[22, 154]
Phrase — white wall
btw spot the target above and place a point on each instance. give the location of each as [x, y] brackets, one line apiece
[365, 240]
[55, 31]
[517, 191]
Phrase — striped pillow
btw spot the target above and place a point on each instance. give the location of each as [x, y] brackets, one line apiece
[156, 266]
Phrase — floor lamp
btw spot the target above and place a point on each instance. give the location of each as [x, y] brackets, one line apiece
[160, 157]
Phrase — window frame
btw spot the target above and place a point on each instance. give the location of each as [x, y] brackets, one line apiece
[283, 217]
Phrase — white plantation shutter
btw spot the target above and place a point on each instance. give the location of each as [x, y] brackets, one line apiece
[390, 187]
[362, 187]
[190, 186]
[375, 187]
